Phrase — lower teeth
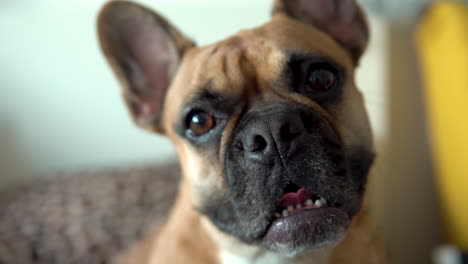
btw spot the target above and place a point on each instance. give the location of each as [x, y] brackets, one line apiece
[285, 212]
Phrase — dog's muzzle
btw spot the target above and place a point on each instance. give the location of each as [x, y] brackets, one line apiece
[290, 183]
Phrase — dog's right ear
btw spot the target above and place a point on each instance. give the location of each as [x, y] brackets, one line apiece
[144, 51]
[343, 20]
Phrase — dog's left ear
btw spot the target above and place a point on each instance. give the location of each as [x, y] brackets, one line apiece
[144, 50]
[343, 20]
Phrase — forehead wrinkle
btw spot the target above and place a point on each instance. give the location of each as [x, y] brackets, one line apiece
[214, 67]
[244, 64]
[235, 72]
[207, 93]
[199, 70]
[267, 61]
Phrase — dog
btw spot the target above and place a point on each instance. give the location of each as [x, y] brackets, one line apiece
[271, 132]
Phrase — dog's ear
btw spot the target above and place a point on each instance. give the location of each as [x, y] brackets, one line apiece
[343, 20]
[144, 51]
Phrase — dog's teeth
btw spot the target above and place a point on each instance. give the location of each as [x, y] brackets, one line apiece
[318, 203]
[290, 208]
[323, 201]
[277, 215]
[298, 206]
[309, 202]
[285, 213]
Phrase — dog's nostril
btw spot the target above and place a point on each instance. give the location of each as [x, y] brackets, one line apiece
[255, 143]
[258, 144]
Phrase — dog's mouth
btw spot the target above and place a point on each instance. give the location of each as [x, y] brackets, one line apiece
[296, 199]
[305, 220]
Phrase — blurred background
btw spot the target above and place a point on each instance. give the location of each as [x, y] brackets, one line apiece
[61, 110]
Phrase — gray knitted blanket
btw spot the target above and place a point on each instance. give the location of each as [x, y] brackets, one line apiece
[86, 218]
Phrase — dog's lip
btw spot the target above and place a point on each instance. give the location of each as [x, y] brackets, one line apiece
[306, 213]
[289, 217]
[286, 230]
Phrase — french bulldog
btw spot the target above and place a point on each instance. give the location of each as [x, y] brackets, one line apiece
[271, 132]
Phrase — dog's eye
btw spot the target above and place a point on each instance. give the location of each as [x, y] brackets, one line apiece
[200, 122]
[318, 78]
[321, 80]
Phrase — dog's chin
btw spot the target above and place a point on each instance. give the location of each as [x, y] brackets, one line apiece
[305, 231]
[298, 222]
[305, 221]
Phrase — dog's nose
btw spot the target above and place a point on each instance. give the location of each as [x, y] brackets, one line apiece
[267, 136]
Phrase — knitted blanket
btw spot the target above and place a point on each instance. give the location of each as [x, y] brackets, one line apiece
[86, 218]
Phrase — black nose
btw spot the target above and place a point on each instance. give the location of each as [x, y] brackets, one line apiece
[269, 135]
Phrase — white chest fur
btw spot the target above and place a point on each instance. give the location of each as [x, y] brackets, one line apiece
[269, 258]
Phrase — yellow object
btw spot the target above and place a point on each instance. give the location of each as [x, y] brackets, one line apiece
[442, 41]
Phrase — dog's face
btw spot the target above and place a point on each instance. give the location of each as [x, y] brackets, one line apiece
[269, 126]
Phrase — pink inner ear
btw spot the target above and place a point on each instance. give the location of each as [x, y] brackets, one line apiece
[341, 19]
[155, 57]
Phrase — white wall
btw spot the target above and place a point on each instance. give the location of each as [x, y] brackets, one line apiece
[61, 108]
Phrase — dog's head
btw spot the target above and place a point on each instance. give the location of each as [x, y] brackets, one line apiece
[268, 124]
